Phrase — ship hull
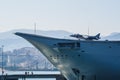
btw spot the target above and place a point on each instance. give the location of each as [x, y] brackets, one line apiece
[80, 60]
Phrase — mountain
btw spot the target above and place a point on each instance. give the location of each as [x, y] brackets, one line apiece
[51, 33]
[11, 41]
[113, 36]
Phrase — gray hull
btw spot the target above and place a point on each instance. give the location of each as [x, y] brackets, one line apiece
[80, 60]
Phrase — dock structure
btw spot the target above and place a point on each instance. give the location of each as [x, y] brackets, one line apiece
[24, 76]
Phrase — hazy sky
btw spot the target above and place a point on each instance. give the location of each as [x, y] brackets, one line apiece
[71, 15]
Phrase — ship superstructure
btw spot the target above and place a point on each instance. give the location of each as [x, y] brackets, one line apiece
[80, 59]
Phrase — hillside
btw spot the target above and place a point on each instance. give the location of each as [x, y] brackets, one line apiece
[27, 58]
[12, 41]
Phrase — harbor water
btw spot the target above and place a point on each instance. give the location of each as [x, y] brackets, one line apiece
[32, 72]
[39, 79]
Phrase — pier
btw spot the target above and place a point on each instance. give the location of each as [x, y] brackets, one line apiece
[24, 76]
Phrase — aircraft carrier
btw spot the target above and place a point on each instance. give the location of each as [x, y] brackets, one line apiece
[86, 59]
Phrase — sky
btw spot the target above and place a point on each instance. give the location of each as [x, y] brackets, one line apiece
[70, 15]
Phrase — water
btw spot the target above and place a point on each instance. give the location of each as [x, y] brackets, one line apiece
[34, 72]
[40, 79]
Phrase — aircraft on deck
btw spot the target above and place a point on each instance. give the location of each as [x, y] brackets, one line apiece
[86, 37]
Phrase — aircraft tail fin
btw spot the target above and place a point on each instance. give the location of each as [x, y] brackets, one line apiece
[98, 36]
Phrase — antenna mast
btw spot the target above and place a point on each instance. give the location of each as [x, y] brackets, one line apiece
[34, 28]
[88, 30]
